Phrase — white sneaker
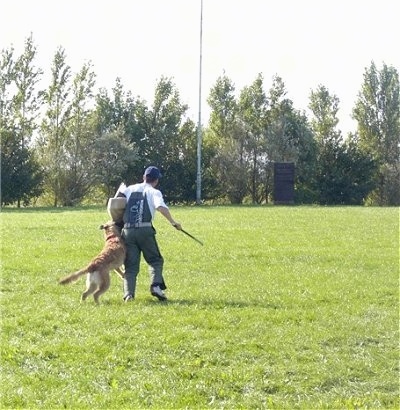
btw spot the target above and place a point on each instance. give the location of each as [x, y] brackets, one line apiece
[158, 293]
[128, 298]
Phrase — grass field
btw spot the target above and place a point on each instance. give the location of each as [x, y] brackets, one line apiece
[282, 308]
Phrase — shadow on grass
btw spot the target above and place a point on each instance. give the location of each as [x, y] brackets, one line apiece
[217, 304]
[222, 304]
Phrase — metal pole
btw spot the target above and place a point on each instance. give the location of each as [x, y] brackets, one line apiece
[199, 131]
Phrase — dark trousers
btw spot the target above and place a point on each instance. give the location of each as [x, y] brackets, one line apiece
[142, 241]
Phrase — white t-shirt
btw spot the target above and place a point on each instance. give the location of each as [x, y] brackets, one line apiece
[153, 195]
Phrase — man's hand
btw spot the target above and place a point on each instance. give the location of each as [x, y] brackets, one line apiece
[177, 226]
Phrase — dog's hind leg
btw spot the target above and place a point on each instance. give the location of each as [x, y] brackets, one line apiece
[90, 287]
[105, 284]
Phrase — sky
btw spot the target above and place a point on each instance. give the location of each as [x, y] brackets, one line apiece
[306, 42]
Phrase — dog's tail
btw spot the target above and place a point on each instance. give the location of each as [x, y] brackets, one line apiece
[73, 277]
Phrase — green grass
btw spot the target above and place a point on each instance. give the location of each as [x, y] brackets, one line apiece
[283, 308]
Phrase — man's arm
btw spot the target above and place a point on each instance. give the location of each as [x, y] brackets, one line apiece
[165, 212]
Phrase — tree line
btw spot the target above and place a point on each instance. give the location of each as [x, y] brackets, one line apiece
[66, 145]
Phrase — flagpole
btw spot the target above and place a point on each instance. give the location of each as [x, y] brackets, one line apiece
[199, 130]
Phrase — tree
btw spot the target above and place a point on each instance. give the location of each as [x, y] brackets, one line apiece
[122, 115]
[26, 103]
[359, 172]
[110, 156]
[7, 134]
[117, 112]
[54, 128]
[223, 106]
[163, 141]
[344, 172]
[21, 176]
[7, 73]
[329, 181]
[180, 171]
[377, 112]
[289, 139]
[76, 178]
[253, 107]
[19, 110]
[224, 141]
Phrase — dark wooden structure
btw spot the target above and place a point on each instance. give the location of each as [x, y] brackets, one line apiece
[284, 183]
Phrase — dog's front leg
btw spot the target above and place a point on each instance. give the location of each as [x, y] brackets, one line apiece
[120, 272]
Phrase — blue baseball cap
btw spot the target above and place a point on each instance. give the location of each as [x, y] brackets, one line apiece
[152, 172]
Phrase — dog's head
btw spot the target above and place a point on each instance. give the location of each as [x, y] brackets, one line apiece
[111, 228]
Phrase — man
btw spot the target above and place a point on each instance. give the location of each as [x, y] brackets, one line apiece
[143, 199]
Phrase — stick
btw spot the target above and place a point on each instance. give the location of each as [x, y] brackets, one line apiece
[191, 236]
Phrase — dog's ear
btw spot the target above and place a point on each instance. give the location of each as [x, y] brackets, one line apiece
[107, 225]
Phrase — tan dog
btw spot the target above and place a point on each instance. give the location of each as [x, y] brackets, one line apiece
[111, 257]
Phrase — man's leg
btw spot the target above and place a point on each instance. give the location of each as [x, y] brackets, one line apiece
[132, 263]
[154, 259]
